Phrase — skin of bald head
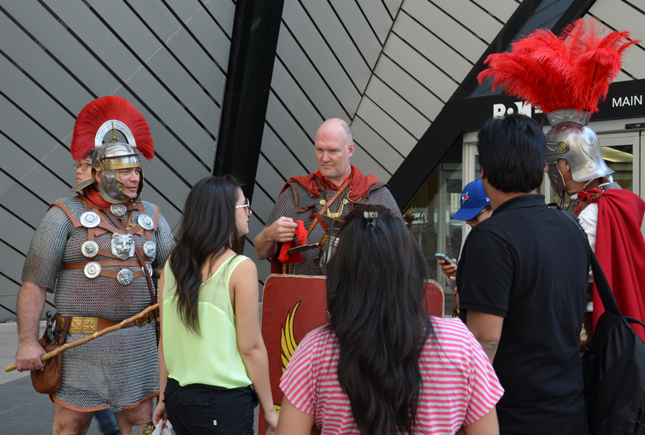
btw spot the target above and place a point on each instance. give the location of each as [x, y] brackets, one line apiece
[334, 146]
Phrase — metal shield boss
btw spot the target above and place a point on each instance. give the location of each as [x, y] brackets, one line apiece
[92, 269]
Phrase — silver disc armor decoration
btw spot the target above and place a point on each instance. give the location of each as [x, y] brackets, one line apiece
[118, 209]
[145, 221]
[92, 269]
[149, 267]
[125, 277]
[150, 249]
[89, 249]
[122, 246]
[89, 219]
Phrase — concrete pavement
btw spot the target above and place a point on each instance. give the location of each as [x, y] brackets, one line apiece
[23, 411]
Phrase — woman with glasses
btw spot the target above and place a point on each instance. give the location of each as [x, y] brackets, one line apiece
[212, 359]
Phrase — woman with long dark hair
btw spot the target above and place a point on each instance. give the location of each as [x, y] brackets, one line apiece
[383, 366]
[212, 359]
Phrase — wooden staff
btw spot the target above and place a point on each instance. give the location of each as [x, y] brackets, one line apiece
[97, 334]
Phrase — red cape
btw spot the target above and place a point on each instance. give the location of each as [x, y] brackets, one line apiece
[620, 249]
[359, 184]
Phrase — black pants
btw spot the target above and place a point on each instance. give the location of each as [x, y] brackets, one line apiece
[203, 409]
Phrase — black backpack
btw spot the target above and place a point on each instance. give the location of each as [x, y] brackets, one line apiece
[613, 366]
[614, 369]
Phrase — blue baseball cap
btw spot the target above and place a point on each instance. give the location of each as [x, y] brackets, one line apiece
[473, 201]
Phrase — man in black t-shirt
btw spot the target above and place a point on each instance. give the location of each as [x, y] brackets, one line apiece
[522, 280]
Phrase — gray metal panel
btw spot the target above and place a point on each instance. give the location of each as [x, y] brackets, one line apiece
[12, 262]
[185, 9]
[378, 16]
[378, 147]
[502, 9]
[446, 28]
[289, 53]
[297, 141]
[279, 156]
[191, 55]
[393, 6]
[22, 167]
[621, 16]
[45, 184]
[358, 27]
[297, 102]
[224, 13]
[216, 42]
[268, 178]
[15, 232]
[298, 22]
[24, 131]
[56, 39]
[34, 101]
[49, 74]
[172, 114]
[386, 127]
[471, 17]
[169, 148]
[262, 206]
[172, 74]
[419, 67]
[399, 109]
[18, 199]
[96, 36]
[431, 47]
[408, 87]
[339, 41]
[366, 163]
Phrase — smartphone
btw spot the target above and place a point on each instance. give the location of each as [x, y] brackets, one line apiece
[441, 256]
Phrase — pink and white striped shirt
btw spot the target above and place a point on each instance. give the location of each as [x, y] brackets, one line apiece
[459, 383]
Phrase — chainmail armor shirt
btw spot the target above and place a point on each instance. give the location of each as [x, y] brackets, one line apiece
[119, 369]
[286, 206]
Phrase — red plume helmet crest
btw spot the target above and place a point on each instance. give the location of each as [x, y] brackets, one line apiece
[572, 71]
[96, 113]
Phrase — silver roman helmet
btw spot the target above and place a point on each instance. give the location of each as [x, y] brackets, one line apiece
[571, 139]
[98, 118]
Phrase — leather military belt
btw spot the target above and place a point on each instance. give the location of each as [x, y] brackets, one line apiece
[90, 325]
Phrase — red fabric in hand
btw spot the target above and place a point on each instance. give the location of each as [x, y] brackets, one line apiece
[620, 250]
[301, 235]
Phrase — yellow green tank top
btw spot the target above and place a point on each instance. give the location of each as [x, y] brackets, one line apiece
[212, 358]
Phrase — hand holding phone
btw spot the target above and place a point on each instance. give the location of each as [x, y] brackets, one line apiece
[441, 256]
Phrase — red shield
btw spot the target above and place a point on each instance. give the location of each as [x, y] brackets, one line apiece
[293, 305]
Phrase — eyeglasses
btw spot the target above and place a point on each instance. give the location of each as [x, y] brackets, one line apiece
[83, 166]
[246, 204]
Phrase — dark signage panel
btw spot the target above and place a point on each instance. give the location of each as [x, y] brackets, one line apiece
[625, 100]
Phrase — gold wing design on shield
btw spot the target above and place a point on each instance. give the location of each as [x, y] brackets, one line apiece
[288, 343]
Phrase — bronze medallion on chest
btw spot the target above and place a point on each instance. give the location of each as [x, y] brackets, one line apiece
[122, 246]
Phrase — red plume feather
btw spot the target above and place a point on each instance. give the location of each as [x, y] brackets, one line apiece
[572, 71]
[103, 109]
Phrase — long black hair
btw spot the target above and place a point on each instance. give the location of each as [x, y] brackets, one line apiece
[375, 290]
[207, 228]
